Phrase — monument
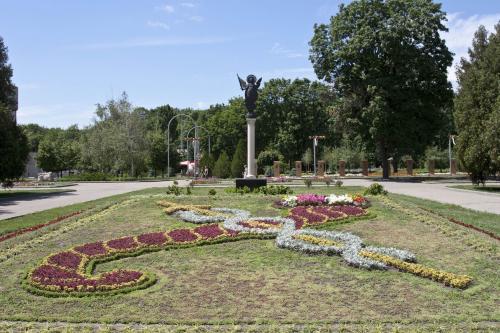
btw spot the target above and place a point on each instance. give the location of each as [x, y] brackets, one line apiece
[251, 88]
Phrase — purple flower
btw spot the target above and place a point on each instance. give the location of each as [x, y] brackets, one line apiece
[65, 259]
[154, 238]
[122, 243]
[209, 231]
[182, 235]
[92, 249]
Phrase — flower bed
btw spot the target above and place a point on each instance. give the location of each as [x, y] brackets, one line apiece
[69, 272]
[310, 199]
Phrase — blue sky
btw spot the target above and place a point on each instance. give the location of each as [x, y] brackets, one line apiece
[69, 55]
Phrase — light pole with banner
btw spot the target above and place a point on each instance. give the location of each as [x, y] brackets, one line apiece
[168, 138]
[315, 139]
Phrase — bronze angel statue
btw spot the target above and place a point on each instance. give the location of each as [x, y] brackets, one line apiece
[251, 87]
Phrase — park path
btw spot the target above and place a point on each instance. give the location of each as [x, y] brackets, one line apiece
[11, 207]
[81, 192]
[441, 192]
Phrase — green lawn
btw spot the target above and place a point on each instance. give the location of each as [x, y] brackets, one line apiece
[253, 281]
[9, 194]
[490, 188]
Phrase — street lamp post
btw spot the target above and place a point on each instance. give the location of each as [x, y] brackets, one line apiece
[315, 139]
[196, 142]
[168, 138]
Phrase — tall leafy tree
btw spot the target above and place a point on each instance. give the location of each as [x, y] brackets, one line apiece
[222, 168]
[226, 126]
[239, 160]
[6, 85]
[388, 64]
[477, 106]
[14, 148]
[289, 112]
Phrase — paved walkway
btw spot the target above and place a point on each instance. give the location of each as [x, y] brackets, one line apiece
[441, 192]
[16, 206]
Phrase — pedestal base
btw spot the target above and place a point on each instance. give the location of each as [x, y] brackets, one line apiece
[251, 183]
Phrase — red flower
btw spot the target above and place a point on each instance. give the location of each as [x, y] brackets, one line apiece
[65, 259]
[182, 235]
[122, 243]
[154, 238]
[92, 249]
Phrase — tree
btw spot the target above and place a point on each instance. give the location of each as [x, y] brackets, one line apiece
[222, 168]
[207, 161]
[388, 64]
[239, 160]
[227, 126]
[14, 148]
[117, 140]
[7, 88]
[477, 106]
[307, 158]
[267, 157]
[289, 112]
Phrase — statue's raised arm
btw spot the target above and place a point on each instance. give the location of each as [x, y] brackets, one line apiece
[243, 84]
[257, 84]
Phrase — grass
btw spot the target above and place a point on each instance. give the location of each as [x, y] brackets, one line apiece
[483, 220]
[490, 188]
[9, 194]
[253, 281]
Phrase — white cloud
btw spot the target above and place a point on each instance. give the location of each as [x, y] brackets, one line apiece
[201, 105]
[148, 42]
[460, 35]
[167, 8]
[187, 4]
[290, 73]
[196, 18]
[157, 24]
[278, 49]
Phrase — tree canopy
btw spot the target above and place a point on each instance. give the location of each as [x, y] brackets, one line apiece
[477, 106]
[388, 64]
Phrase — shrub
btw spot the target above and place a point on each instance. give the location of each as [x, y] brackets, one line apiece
[267, 157]
[212, 192]
[222, 167]
[174, 189]
[375, 189]
[308, 182]
[266, 190]
[238, 162]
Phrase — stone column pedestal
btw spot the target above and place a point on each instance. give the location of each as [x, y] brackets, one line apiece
[321, 168]
[409, 167]
[342, 168]
[364, 167]
[276, 169]
[453, 167]
[431, 166]
[251, 166]
[298, 168]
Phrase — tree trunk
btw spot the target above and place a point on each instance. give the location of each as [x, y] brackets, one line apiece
[385, 168]
[382, 150]
[395, 164]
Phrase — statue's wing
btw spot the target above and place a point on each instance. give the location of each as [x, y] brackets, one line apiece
[258, 82]
[243, 83]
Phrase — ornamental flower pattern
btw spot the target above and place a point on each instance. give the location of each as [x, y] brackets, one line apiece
[69, 272]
